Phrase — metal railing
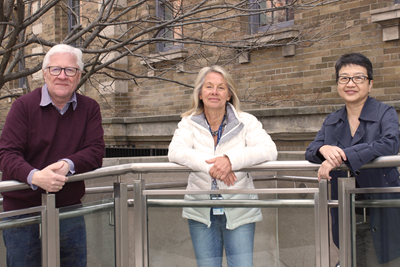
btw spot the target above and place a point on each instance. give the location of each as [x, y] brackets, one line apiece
[50, 216]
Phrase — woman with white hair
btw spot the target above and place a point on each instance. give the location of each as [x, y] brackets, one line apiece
[216, 140]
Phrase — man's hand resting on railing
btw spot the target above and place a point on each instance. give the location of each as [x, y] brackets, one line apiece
[53, 177]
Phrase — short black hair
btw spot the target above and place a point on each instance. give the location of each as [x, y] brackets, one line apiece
[354, 59]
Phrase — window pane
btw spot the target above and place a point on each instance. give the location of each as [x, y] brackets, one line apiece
[277, 16]
[168, 15]
[74, 15]
[280, 15]
[170, 11]
[290, 11]
[266, 18]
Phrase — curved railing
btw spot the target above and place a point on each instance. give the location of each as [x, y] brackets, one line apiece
[321, 203]
[140, 168]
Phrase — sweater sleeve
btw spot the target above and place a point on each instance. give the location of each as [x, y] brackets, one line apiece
[13, 143]
[312, 152]
[90, 156]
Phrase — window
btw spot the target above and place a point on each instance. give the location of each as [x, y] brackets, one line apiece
[73, 14]
[166, 11]
[264, 21]
[21, 81]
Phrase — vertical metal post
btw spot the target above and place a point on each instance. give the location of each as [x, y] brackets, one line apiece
[353, 226]
[322, 224]
[140, 224]
[345, 229]
[317, 224]
[50, 232]
[121, 225]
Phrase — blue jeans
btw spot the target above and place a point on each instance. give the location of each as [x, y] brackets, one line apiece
[24, 245]
[208, 243]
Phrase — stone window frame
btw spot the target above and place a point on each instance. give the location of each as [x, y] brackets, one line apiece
[389, 19]
[270, 33]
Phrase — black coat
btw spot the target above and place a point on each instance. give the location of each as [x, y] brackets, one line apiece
[377, 135]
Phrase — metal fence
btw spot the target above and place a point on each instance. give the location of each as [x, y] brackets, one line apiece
[50, 216]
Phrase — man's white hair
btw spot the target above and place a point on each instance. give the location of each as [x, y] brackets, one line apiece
[62, 49]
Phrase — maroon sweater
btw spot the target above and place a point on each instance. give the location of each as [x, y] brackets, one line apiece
[35, 137]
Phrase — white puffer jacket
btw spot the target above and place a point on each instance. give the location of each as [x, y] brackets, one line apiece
[244, 141]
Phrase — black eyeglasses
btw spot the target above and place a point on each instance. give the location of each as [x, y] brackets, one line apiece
[69, 71]
[355, 79]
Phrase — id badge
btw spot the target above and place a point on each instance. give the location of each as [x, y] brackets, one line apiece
[217, 210]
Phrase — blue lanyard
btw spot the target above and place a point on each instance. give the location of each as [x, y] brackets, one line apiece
[221, 127]
[219, 134]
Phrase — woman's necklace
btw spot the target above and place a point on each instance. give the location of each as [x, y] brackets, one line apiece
[214, 133]
[355, 120]
[223, 123]
[353, 131]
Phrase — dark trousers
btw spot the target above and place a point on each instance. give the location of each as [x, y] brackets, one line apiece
[24, 245]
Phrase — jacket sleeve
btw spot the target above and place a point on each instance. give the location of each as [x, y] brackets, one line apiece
[90, 156]
[181, 149]
[13, 143]
[312, 153]
[388, 144]
[259, 146]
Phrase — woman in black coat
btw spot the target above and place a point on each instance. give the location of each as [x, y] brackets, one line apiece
[356, 134]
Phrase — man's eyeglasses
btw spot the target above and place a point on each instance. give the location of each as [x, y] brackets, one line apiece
[355, 79]
[69, 71]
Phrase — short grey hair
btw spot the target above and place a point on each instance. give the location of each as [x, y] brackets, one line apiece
[62, 49]
[197, 106]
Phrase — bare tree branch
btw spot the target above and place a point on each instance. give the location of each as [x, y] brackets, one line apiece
[112, 33]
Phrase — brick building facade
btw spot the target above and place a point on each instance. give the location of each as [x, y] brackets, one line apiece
[290, 88]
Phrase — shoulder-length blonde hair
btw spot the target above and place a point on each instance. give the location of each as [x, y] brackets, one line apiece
[197, 106]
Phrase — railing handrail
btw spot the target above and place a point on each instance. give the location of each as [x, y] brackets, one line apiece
[165, 192]
[161, 167]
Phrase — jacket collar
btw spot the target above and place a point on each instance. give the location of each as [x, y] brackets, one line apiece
[368, 113]
[231, 129]
[342, 129]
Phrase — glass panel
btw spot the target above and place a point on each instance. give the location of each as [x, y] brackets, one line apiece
[285, 237]
[277, 16]
[377, 229]
[280, 15]
[98, 218]
[265, 18]
[169, 242]
[170, 12]
[14, 230]
[168, 15]
[75, 6]
[290, 11]
[3, 252]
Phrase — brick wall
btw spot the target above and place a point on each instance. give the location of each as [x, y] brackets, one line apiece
[268, 80]
[271, 80]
